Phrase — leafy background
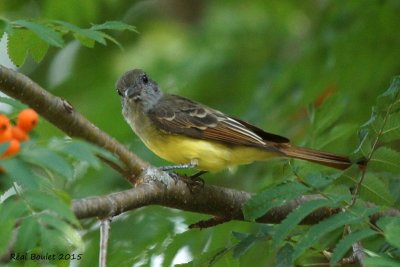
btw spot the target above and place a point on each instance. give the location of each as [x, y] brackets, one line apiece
[311, 71]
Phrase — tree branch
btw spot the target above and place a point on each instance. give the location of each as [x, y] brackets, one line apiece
[158, 188]
[62, 115]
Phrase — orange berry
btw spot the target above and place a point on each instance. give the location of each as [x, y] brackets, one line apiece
[12, 149]
[27, 119]
[5, 128]
[19, 134]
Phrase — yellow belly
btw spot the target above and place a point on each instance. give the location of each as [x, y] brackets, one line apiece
[208, 155]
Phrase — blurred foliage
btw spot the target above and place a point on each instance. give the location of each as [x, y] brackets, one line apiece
[311, 71]
[32, 37]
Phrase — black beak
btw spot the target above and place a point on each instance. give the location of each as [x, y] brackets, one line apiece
[120, 93]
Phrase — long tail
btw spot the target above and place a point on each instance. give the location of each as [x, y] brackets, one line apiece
[323, 158]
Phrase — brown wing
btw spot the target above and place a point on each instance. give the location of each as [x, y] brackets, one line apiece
[179, 115]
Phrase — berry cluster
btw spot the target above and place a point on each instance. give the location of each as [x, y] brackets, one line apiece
[14, 134]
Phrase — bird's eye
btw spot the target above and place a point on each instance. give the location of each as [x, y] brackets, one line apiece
[119, 92]
[145, 80]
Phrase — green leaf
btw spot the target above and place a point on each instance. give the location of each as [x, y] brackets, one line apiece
[23, 41]
[110, 38]
[66, 26]
[87, 37]
[391, 229]
[84, 40]
[28, 234]
[5, 27]
[295, 217]
[47, 159]
[244, 245]
[259, 204]
[217, 257]
[326, 226]
[346, 243]
[2, 27]
[387, 126]
[38, 50]
[4, 146]
[93, 35]
[385, 159]
[12, 102]
[114, 25]
[11, 208]
[364, 136]
[6, 232]
[18, 51]
[284, 257]
[76, 31]
[44, 201]
[240, 236]
[381, 262]
[391, 132]
[320, 180]
[391, 95]
[77, 149]
[68, 233]
[373, 189]
[19, 171]
[336, 133]
[325, 117]
[384, 122]
[52, 240]
[45, 33]
[176, 244]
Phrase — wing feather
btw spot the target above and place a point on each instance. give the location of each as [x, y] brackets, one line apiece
[178, 115]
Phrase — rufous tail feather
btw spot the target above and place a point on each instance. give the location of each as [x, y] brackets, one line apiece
[320, 157]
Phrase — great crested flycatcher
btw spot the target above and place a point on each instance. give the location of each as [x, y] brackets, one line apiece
[186, 132]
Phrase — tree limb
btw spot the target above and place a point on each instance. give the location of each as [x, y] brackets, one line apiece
[158, 188]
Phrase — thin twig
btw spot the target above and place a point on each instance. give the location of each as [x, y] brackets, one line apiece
[358, 250]
[364, 169]
[115, 166]
[104, 236]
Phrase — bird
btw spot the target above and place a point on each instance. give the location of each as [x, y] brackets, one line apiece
[191, 134]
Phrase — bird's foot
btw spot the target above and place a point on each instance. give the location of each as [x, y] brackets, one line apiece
[194, 182]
